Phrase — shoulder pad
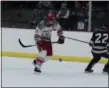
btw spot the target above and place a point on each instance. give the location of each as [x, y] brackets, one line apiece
[41, 24]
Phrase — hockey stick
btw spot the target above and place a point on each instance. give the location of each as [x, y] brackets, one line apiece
[77, 40]
[26, 46]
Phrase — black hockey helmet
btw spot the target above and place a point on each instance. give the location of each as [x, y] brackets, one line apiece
[103, 28]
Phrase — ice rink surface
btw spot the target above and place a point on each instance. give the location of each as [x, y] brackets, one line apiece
[18, 72]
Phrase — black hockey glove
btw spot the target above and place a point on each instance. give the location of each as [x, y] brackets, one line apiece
[90, 44]
[61, 39]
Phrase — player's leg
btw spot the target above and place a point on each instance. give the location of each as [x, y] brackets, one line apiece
[96, 58]
[39, 47]
[40, 60]
[45, 53]
[106, 67]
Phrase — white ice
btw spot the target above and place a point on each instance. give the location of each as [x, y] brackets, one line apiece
[18, 72]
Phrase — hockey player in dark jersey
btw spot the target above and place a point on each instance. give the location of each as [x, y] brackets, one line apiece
[100, 48]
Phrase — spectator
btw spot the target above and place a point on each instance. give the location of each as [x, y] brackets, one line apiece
[19, 12]
[78, 16]
[52, 11]
[85, 6]
[33, 21]
[37, 15]
[63, 16]
[47, 4]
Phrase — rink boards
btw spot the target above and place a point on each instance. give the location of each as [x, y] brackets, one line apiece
[70, 51]
[64, 58]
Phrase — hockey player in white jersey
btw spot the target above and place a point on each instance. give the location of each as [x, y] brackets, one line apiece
[43, 40]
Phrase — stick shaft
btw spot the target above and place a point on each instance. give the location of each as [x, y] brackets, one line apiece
[77, 40]
[26, 46]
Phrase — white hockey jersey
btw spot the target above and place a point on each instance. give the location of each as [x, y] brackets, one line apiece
[44, 31]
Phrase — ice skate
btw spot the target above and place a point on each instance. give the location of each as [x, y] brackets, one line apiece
[37, 70]
[106, 71]
[88, 70]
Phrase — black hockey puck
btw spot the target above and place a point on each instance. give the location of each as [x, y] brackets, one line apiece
[60, 60]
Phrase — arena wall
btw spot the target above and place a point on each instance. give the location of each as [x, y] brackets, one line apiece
[70, 51]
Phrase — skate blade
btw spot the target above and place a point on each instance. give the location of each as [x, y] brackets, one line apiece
[37, 73]
[105, 73]
[87, 72]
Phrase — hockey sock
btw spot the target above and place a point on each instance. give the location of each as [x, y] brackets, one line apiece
[39, 62]
[92, 63]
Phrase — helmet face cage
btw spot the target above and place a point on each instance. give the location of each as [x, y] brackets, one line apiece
[51, 18]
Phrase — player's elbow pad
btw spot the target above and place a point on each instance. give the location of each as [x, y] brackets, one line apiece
[60, 32]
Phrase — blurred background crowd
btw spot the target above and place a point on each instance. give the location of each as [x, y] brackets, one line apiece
[72, 15]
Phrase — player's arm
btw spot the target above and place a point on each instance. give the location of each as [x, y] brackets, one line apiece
[38, 33]
[92, 40]
[61, 38]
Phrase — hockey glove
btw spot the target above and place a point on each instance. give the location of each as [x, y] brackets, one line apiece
[91, 43]
[61, 39]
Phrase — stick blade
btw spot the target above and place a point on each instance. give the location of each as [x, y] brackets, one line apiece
[21, 43]
[24, 46]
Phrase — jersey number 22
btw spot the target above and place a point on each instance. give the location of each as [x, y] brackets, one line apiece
[101, 38]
